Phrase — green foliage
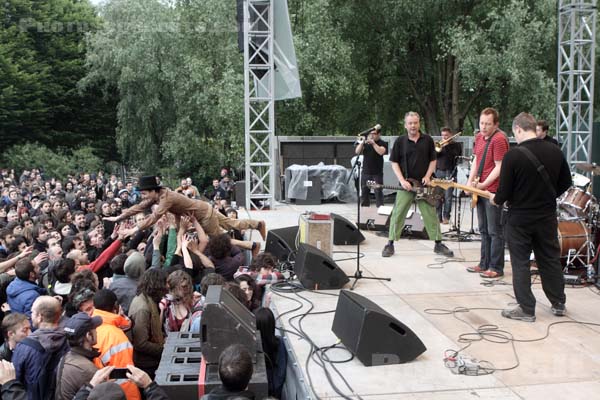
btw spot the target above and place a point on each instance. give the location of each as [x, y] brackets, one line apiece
[54, 163]
[41, 61]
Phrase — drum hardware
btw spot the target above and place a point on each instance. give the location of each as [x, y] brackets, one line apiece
[587, 167]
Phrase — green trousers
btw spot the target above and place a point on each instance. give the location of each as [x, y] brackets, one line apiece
[402, 205]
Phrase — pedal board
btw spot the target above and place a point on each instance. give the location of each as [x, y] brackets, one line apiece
[573, 280]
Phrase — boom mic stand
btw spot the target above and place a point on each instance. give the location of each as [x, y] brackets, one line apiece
[455, 232]
[358, 273]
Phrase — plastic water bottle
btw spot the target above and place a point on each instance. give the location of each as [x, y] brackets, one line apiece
[591, 274]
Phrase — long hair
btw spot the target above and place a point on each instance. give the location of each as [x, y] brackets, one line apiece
[265, 323]
[153, 283]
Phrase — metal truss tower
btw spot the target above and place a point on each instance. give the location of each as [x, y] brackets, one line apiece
[576, 57]
[259, 103]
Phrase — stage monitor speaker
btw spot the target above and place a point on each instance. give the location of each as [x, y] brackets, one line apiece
[371, 220]
[414, 226]
[374, 336]
[345, 232]
[316, 270]
[225, 321]
[281, 242]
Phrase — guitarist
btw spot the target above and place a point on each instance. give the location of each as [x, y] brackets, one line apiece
[413, 156]
[489, 149]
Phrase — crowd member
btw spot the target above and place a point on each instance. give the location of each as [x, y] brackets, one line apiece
[148, 336]
[533, 175]
[176, 306]
[413, 157]
[36, 357]
[114, 346]
[373, 149]
[15, 327]
[24, 290]
[209, 280]
[248, 285]
[169, 201]
[235, 372]
[541, 132]
[489, 149]
[274, 349]
[77, 367]
[125, 287]
[445, 168]
[226, 258]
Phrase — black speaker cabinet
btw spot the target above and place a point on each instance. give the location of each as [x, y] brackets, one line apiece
[414, 226]
[372, 334]
[345, 232]
[281, 242]
[240, 194]
[225, 321]
[370, 220]
[316, 270]
[313, 195]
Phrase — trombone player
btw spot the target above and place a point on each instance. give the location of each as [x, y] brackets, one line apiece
[448, 151]
[373, 149]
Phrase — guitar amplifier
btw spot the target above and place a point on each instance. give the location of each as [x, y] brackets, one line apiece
[317, 233]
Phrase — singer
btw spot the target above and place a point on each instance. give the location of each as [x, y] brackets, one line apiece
[446, 169]
[373, 149]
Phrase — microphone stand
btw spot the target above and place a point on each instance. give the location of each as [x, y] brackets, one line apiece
[455, 232]
[358, 273]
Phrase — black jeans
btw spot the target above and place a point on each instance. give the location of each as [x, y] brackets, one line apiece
[365, 200]
[542, 238]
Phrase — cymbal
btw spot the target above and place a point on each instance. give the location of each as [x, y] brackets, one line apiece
[587, 167]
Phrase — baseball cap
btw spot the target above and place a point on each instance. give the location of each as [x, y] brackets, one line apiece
[80, 324]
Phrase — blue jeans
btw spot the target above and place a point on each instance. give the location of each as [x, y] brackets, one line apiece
[444, 208]
[492, 236]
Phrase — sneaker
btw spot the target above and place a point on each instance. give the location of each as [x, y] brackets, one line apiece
[388, 250]
[559, 309]
[262, 229]
[476, 269]
[518, 314]
[445, 221]
[491, 274]
[441, 248]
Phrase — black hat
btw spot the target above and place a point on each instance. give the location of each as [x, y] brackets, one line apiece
[148, 183]
[80, 324]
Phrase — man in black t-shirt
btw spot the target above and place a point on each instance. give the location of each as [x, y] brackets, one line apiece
[531, 223]
[373, 150]
[541, 131]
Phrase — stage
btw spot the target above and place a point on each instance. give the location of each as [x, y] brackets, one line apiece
[566, 364]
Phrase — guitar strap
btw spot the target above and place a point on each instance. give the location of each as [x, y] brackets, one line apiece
[539, 167]
[404, 159]
[482, 162]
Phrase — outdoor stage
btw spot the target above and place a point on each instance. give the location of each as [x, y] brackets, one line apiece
[564, 365]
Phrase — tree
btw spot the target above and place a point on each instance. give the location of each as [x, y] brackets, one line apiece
[41, 60]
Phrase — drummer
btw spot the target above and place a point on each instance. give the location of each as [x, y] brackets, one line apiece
[541, 131]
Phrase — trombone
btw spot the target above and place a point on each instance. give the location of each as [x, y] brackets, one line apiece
[442, 143]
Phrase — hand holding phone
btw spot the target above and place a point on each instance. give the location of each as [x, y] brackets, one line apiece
[118, 373]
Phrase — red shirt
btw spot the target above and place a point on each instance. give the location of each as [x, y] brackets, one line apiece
[498, 148]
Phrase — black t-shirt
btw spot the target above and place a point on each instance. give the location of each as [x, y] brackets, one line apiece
[446, 159]
[529, 197]
[550, 139]
[418, 155]
[372, 161]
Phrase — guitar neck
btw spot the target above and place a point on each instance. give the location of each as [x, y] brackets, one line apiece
[482, 193]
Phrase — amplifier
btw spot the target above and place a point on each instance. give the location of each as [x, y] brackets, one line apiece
[317, 233]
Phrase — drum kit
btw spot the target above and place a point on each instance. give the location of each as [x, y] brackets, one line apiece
[578, 214]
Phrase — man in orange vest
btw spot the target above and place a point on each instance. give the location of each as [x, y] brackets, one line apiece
[114, 346]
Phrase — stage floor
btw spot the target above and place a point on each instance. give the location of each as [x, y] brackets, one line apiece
[564, 365]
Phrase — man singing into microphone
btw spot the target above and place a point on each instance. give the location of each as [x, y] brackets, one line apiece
[373, 149]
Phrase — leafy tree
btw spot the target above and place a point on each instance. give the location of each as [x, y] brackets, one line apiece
[41, 61]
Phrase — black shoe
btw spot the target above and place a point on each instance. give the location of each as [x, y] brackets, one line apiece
[441, 248]
[388, 250]
[559, 309]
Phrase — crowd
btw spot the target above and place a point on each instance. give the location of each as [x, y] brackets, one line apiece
[95, 272]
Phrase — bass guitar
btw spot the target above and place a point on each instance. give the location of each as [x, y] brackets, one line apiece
[447, 184]
[427, 193]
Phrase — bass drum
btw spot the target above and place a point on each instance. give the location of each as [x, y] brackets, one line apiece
[573, 235]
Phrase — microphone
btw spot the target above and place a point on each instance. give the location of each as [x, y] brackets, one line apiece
[366, 132]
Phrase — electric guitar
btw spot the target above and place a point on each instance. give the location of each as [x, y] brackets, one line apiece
[426, 193]
[447, 184]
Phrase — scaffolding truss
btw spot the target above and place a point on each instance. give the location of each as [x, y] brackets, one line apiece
[259, 103]
[575, 96]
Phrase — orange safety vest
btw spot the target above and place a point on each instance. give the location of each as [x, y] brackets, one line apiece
[115, 349]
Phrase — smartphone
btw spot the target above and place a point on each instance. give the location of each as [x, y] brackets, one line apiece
[118, 373]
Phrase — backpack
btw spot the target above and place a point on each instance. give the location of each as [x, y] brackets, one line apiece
[46, 384]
